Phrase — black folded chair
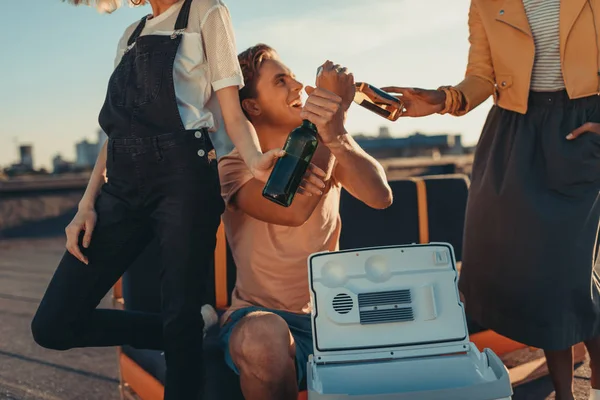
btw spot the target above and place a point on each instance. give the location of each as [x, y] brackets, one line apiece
[446, 206]
[363, 226]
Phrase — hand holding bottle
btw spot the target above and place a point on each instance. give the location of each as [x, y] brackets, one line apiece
[262, 164]
[338, 80]
[418, 102]
[325, 109]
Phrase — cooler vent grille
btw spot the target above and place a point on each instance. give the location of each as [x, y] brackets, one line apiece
[343, 303]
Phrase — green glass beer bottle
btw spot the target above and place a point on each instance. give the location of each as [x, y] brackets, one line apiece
[289, 170]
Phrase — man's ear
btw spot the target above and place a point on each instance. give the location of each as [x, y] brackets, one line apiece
[251, 107]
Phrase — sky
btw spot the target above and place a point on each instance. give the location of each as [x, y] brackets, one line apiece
[57, 59]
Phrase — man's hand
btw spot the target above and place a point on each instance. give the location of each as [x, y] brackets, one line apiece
[337, 79]
[592, 127]
[324, 109]
[313, 182]
[419, 102]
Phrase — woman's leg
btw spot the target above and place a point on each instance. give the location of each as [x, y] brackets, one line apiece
[187, 249]
[560, 366]
[186, 222]
[593, 348]
[67, 316]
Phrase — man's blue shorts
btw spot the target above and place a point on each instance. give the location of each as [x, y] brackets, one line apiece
[299, 325]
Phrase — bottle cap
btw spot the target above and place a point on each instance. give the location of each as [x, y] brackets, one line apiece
[319, 70]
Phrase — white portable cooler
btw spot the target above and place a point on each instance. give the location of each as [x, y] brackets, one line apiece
[387, 323]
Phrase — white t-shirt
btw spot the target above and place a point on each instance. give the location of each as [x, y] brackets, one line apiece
[206, 61]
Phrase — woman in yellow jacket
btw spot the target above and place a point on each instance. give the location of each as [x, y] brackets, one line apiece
[534, 204]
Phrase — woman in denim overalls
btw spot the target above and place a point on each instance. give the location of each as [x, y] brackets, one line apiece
[161, 182]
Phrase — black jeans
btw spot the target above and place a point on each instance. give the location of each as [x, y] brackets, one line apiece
[161, 186]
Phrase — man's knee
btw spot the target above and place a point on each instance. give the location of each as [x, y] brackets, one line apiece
[262, 342]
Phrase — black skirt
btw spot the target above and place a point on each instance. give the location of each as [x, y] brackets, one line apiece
[532, 224]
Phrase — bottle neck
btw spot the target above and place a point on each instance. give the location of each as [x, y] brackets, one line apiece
[307, 124]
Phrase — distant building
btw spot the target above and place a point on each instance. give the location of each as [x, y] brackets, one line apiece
[86, 154]
[384, 132]
[359, 136]
[25, 164]
[417, 145]
[26, 154]
[61, 166]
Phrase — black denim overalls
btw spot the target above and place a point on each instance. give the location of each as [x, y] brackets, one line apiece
[161, 184]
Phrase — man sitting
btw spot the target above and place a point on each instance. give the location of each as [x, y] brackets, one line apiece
[267, 334]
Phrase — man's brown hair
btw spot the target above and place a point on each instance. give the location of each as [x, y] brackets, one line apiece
[250, 61]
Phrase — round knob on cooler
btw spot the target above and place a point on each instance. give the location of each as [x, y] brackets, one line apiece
[377, 269]
[333, 274]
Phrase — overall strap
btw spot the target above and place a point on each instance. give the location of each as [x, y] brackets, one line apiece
[184, 15]
[138, 30]
[180, 25]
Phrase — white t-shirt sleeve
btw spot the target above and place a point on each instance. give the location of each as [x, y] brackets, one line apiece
[221, 54]
[121, 49]
[122, 46]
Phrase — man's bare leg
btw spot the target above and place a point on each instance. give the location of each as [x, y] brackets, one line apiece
[263, 350]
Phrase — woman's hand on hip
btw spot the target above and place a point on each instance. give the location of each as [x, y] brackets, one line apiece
[593, 127]
[418, 102]
[84, 220]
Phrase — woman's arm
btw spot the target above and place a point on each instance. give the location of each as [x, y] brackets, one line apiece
[226, 79]
[85, 218]
[243, 135]
[479, 80]
[96, 181]
[456, 100]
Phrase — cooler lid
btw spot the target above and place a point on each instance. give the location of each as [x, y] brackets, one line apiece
[388, 300]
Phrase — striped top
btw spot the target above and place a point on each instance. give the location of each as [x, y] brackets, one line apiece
[544, 16]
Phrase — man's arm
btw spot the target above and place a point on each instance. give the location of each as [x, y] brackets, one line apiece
[359, 173]
[250, 200]
[326, 110]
